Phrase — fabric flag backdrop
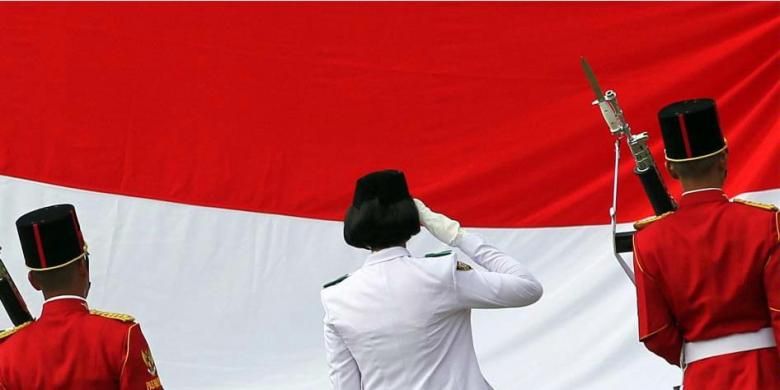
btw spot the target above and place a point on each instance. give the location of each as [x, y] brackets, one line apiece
[211, 150]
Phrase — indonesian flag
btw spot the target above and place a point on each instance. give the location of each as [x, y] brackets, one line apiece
[212, 149]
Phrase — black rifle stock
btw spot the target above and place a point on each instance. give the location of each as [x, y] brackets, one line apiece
[12, 301]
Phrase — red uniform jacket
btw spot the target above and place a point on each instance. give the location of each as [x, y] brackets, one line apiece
[70, 348]
[709, 270]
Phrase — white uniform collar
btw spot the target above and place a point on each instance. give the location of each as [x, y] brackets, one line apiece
[59, 297]
[387, 254]
[701, 190]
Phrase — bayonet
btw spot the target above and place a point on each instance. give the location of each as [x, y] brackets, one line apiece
[644, 167]
[594, 83]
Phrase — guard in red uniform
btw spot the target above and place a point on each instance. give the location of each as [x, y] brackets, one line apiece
[708, 274]
[70, 346]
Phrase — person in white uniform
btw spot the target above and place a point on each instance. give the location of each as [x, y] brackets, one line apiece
[404, 322]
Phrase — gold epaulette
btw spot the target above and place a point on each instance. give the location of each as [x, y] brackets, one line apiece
[765, 206]
[8, 332]
[113, 316]
[642, 223]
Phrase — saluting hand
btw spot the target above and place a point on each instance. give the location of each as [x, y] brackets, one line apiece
[442, 227]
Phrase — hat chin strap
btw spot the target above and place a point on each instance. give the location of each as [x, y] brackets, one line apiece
[65, 264]
[697, 157]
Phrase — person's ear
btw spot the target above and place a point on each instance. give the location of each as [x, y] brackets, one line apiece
[33, 280]
[670, 169]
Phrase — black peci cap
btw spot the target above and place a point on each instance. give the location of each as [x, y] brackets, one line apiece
[691, 130]
[382, 213]
[51, 237]
[388, 186]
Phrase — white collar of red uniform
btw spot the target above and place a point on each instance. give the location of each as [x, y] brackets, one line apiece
[702, 190]
[61, 297]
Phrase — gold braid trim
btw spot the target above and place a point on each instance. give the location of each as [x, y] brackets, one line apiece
[127, 350]
[113, 316]
[642, 223]
[636, 255]
[777, 225]
[653, 332]
[764, 206]
[8, 332]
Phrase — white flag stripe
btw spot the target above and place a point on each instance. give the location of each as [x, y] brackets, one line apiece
[230, 299]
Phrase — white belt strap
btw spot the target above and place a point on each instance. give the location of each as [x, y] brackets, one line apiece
[737, 342]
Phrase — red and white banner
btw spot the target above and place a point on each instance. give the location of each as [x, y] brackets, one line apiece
[211, 151]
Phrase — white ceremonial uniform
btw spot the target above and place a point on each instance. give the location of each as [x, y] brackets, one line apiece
[404, 323]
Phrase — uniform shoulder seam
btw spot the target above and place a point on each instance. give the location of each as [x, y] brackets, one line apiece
[127, 350]
[114, 316]
[644, 222]
[760, 205]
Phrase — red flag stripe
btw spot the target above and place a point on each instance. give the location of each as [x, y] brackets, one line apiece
[278, 108]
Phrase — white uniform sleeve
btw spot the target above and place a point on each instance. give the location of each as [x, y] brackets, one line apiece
[506, 283]
[343, 370]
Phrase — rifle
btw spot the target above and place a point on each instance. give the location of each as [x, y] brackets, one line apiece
[12, 301]
[644, 168]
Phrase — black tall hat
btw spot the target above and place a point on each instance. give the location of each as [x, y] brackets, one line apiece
[51, 237]
[691, 130]
[388, 186]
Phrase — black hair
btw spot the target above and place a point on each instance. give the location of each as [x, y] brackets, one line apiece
[374, 225]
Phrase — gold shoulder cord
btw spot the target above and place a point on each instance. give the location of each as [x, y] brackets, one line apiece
[8, 332]
[644, 222]
[113, 316]
[764, 206]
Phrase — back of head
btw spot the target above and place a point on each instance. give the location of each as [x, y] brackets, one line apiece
[382, 213]
[58, 280]
[696, 168]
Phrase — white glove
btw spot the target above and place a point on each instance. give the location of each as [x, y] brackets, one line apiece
[441, 226]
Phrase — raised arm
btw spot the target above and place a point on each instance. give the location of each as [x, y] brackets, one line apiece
[506, 283]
